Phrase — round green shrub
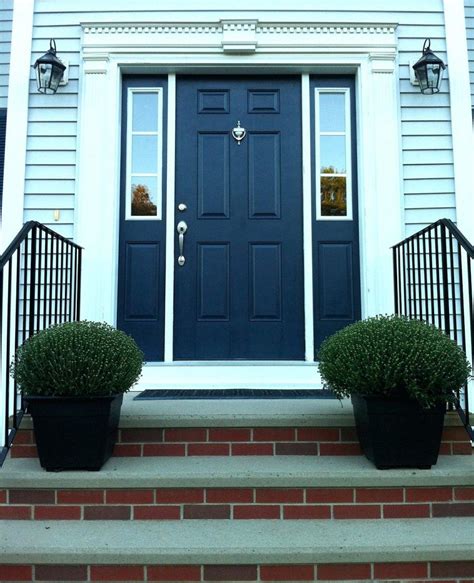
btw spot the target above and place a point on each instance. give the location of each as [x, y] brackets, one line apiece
[392, 355]
[78, 359]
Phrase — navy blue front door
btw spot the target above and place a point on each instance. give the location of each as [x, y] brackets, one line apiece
[239, 293]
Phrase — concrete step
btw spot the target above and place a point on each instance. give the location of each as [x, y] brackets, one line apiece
[248, 550]
[313, 427]
[278, 487]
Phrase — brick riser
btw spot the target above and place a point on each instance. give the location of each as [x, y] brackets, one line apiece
[448, 572]
[237, 503]
[197, 441]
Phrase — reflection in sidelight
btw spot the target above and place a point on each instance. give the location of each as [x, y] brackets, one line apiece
[333, 196]
[142, 205]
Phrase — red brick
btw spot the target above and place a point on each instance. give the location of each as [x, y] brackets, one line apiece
[229, 495]
[208, 449]
[287, 572]
[445, 449]
[254, 511]
[274, 434]
[229, 434]
[16, 573]
[31, 497]
[452, 569]
[462, 448]
[454, 434]
[252, 449]
[16, 512]
[3, 496]
[60, 572]
[357, 511]
[306, 512]
[339, 449]
[300, 448]
[164, 449]
[317, 434]
[141, 435]
[57, 512]
[179, 495]
[329, 495]
[129, 496]
[117, 573]
[122, 450]
[207, 511]
[24, 437]
[174, 573]
[348, 572]
[230, 573]
[80, 496]
[429, 494]
[187, 434]
[157, 512]
[466, 493]
[22, 451]
[349, 434]
[400, 570]
[273, 495]
[107, 512]
[379, 494]
[453, 509]
[406, 511]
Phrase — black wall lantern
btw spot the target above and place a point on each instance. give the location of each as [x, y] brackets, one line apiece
[49, 70]
[429, 70]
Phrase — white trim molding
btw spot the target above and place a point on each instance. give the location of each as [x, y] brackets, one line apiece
[461, 116]
[17, 120]
[251, 47]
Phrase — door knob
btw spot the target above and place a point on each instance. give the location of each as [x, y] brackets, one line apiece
[181, 227]
[182, 207]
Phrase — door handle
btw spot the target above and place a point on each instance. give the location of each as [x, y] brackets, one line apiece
[182, 227]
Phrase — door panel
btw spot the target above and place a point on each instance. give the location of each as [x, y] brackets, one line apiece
[239, 294]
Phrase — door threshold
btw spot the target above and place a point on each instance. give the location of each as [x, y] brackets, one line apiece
[230, 375]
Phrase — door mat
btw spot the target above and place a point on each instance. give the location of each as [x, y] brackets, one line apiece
[185, 394]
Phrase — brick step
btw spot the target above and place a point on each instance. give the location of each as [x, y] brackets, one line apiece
[244, 551]
[309, 427]
[283, 488]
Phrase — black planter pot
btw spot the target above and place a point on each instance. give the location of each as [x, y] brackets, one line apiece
[74, 433]
[398, 432]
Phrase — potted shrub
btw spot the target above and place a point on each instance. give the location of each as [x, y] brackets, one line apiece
[73, 377]
[400, 374]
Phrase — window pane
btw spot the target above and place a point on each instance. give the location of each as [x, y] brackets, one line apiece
[144, 154]
[333, 196]
[332, 112]
[145, 112]
[144, 196]
[333, 154]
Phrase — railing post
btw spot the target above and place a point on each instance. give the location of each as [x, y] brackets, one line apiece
[395, 279]
[32, 285]
[445, 283]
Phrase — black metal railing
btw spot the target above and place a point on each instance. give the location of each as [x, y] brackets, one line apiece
[40, 285]
[433, 281]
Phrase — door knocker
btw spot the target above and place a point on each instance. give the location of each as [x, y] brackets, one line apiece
[239, 133]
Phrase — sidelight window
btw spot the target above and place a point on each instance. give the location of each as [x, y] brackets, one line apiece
[333, 154]
[144, 154]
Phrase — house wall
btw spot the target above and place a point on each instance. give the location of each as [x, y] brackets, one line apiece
[428, 177]
[6, 17]
[469, 14]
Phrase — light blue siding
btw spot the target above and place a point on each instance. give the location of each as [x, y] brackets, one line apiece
[469, 14]
[428, 184]
[6, 17]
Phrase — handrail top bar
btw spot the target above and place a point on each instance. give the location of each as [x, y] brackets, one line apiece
[21, 236]
[450, 226]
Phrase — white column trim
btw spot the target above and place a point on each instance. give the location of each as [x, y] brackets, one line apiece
[17, 120]
[461, 116]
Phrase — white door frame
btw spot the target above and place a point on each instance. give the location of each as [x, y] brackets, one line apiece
[108, 50]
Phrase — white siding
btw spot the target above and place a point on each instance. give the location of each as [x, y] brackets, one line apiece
[469, 13]
[428, 179]
[6, 15]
